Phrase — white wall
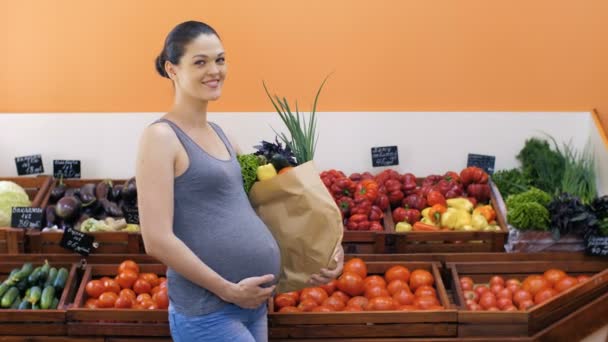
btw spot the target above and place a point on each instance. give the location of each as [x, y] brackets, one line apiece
[428, 142]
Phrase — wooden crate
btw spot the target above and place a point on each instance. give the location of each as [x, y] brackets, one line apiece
[442, 241]
[115, 322]
[525, 323]
[359, 242]
[367, 324]
[38, 322]
[109, 242]
[12, 240]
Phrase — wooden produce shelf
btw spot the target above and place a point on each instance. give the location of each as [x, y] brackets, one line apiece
[38, 322]
[529, 322]
[369, 324]
[115, 322]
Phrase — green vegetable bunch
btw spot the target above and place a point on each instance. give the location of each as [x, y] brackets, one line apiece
[528, 210]
[249, 166]
[542, 165]
[510, 182]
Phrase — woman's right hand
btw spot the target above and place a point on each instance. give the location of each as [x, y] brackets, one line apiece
[249, 294]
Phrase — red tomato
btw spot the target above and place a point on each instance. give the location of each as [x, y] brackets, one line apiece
[466, 279]
[161, 298]
[376, 291]
[341, 296]
[554, 275]
[356, 265]
[475, 307]
[94, 288]
[315, 293]
[419, 278]
[513, 287]
[534, 284]
[496, 288]
[425, 302]
[294, 294]
[493, 309]
[397, 285]
[487, 301]
[380, 304]
[374, 280]
[144, 297]
[334, 303]
[307, 305]
[107, 300]
[128, 293]
[544, 295]
[110, 285]
[352, 308]
[502, 303]
[521, 295]
[525, 305]
[497, 280]
[404, 297]
[128, 264]
[513, 281]
[289, 309]
[397, 273]
[91, 303]
[141, 286]
[282, 300]
[407, 308]
[351, 283]
[123, 302]
[330, 287]
[425, 290]
[505, 293]
[481, 289]
[126, 278]
[322, 308]
[565, 283]
[510, 308]
[466, 286]
[359, 301]
[150, 278]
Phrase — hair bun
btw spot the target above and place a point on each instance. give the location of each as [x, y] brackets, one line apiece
[160, 66]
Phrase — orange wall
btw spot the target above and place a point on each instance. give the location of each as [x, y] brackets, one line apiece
[387, 55]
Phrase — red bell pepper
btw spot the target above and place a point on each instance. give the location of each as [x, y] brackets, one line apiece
[376, 227]
[376, 214]
[358, 222]
[382, 201]
[345, 204]
[395, 197]
[473, 175]
[399, 215]
[432, 180]
[412, 215]
[392, 185]
[343, 187]
[415, 201]
[452, 176]
[355, 177]
[362, 206]
[409, 182]
[367, 188]
[367, 175]
[455, 191]
[435, 197]
[480, 191]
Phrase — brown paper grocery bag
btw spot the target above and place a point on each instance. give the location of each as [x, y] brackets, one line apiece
[304, 220]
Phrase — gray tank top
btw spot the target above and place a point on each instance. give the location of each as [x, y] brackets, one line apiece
[213, 217]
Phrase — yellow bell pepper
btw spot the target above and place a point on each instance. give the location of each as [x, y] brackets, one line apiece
[425, 212]
[487, 211]
[460, 203]
[403, 227]
[265, 172]
[455, 218]
[428, 221]
[479, 222]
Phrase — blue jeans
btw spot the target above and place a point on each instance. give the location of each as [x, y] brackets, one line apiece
[230, 323]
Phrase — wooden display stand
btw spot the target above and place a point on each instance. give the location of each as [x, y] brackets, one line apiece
[367, 324]
[115, 322]
[524, 323]
[38, 322]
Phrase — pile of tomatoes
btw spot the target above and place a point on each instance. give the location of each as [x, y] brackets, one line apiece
[513, 295]
[355, 290]
[130, 289]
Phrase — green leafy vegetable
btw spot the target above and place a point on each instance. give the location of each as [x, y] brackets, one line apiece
[532, 195]
[510, 182]
[542, 165]
[249, 166]
[579, 172]
[529, 215]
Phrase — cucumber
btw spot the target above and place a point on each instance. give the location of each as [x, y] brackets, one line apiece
[3, 288]
[60, 280]
[35, 294]
[23, 273]
[51, 278]
[22, 285]
[27, 293]
[15, 270]
[9, 297]
[55, 304]
[44, 271]
[16, 303]
[48, 294]
[25, 305]
[35, 307]
[34, 276]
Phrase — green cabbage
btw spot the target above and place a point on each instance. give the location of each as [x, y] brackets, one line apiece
[8, 200]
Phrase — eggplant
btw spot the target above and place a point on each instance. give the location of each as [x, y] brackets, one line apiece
[103, 189]
[129, 191]
[58, 191]
[87, 194]
[49, 216]
[71, 192]
[91, 208]
[115, 194]
[68, 208]
[111, 208]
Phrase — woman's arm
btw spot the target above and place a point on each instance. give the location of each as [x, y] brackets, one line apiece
[155, 176]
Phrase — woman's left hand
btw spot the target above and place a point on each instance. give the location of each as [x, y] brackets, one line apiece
[326, 275]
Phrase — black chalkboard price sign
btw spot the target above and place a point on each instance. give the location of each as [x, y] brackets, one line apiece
[66, 168]
[596, 245]
[78, 242]
[385, 156]
[482, 161]
[26, 217]
[29, 165]
[131, 214]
